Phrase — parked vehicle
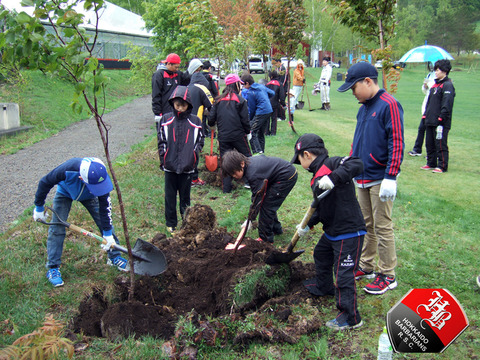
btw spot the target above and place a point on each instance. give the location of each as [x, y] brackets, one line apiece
[293, 62]
[256, 64]
[395, 65]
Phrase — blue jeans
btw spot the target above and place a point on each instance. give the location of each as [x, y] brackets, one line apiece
[56, 233]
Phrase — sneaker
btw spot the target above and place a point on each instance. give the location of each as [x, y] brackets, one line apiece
[426, 167]
[381, 284]
[438, 171]
[414, 153]
[362, 274]
[171, 229]
[198, 182]
[120, 263]
[55, 277]
[334, 325]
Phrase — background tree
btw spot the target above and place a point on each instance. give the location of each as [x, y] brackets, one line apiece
[63, 52]
[286, 21]
[373, 19]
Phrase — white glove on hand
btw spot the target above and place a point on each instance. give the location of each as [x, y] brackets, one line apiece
[249, 225]
[39, 214]
[109, 244]
[325, 183]
[302, 232]
[249, 136]
[388, 190]
[158, 118]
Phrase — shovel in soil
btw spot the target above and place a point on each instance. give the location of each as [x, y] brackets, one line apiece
[211, 161]
[252, 214]
[147, 258]
[289, 255]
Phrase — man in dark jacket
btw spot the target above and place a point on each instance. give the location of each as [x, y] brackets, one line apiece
[438, 118]
[212, 84]
[281, 177]
[180, 140]
[277, 101]
[164, 81]
[85, 180]
[340, 246]
[259, 111]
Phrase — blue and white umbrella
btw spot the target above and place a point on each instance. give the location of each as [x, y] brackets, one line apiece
[426, 53]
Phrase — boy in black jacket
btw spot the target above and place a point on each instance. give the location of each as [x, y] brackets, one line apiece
[277, 101]
[340, 246]
[180, 140]
[281, 176]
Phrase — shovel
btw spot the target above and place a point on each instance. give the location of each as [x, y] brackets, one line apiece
[289, 255]
[147, 258]
[308, 98]
[211, 161]
[252, 214]
[301, 103]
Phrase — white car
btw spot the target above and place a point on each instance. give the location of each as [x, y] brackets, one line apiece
[293, 62]
[256, 64]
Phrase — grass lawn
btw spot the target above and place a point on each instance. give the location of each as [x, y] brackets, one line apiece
[435, 216]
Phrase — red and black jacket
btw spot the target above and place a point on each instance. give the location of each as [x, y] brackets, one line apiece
[163, 83]
[230, 114]
[339, 212]
[440, 103]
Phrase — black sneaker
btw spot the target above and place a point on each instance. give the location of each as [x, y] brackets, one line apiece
[335, 325]
[414, 153]
[381, 284]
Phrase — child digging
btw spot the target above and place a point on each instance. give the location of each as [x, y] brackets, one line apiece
[281, 177]
[340, 245]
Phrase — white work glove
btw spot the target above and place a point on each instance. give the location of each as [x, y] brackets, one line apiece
[302, 232]
[39, 213]
[388, 190]
[109, 244]
[158, 118]
[249, 136]
[325, 183]
[249, 225]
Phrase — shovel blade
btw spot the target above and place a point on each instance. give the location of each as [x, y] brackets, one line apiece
[148, 259]
[283, 257]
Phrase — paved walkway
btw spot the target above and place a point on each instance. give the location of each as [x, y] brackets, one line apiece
[20, 172]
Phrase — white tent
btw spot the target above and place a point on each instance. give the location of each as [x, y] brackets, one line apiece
[113, 18]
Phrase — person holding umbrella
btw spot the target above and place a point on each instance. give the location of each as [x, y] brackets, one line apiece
[438, 118]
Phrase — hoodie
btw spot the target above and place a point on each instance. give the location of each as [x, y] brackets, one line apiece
[199, 94]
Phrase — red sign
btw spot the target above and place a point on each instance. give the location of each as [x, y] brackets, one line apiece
[425, 321]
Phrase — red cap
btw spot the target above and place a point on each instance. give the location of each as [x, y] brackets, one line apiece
[173, 59]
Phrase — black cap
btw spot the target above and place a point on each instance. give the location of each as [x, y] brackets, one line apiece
[357, 72]
[305, 142]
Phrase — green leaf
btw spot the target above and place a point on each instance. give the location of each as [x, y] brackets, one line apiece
[23, 18]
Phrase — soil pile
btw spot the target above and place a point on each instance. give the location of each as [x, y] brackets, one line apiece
[200, 277]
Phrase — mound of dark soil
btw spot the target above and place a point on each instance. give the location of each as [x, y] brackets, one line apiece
[200, 277]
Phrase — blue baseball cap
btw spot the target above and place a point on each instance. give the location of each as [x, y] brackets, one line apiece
[94, 175]
[357, 72]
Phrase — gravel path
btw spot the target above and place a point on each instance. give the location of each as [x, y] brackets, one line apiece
[20, 172]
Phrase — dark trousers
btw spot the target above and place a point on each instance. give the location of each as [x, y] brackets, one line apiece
[241, 145]
[268, 224]
[258, 125]
[174, 183]
[272, 123]
[342, 257]
[420, 136]
[437, 150]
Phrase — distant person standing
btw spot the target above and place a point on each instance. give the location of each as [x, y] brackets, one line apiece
[438, 118]
[212, 84]
[164, 81]
[426, 86]
[325, 83]
[259, 111]
[298, 80]
[378, 141]
[277, 101]
[284, 80]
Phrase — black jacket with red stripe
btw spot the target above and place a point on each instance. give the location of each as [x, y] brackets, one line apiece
[163, 83]
[230, 114]
[378, 139]
[279, 97]
[339, 212]
[440, 103]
